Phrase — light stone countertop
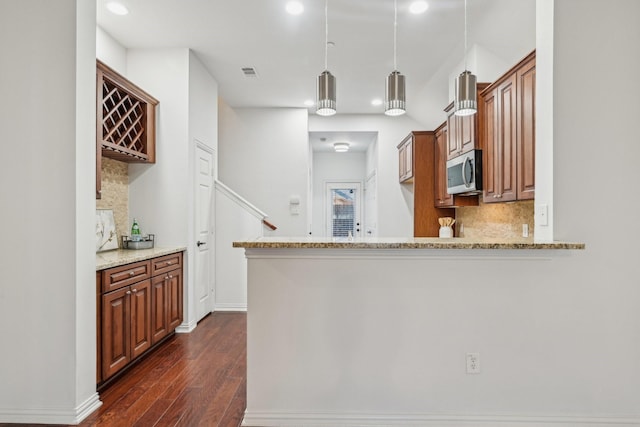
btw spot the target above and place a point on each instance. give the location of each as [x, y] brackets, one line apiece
[119, 257]
[400, 243]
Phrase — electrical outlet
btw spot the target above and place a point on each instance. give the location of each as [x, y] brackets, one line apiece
[473, 363]
[525, 230]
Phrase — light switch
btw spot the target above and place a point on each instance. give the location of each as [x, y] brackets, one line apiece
[542, 214]
[294, 205]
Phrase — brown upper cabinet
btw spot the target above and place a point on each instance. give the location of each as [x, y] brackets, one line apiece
[405, 159]
[442, 198]
[507, 116]
[126, 115]
[462, 131]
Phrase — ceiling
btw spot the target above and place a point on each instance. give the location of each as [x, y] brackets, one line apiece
[287, 51]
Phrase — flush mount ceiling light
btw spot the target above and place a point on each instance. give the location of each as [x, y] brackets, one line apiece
[395, 94]
[117, 8]
[326, 105]
[466, 99]
[341, 147]
[418, 7]
[294, 8]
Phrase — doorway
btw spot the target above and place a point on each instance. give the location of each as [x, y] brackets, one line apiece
[204, 250]
[343, 206]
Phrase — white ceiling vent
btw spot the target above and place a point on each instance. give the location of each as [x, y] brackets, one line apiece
[249, 72]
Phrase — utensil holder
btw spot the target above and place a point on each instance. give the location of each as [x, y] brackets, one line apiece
[446, 232]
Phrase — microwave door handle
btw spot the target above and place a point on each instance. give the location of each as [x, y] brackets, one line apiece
[464, 172]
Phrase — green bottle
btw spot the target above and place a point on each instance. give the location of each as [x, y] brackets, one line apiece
[135, 231]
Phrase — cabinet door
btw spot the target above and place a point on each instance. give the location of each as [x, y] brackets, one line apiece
[442, 198]
[499, 154]
[526, 80]
[116, 347]
[489, 109]
[140, 318]
[405, 157]
[453, 134]
[159, 308]
[507, 138]
[174, 299]
[466, 133]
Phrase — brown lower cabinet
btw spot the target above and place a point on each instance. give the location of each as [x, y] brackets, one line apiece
[135, 317]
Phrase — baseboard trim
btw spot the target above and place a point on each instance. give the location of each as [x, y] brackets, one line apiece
[52, 416]
[274, 419]
[186, 328]
[230, 307]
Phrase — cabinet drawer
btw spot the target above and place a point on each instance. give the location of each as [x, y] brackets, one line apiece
[166, 263]
[117, 277]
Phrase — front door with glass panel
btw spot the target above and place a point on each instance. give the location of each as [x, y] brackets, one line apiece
[343, 203]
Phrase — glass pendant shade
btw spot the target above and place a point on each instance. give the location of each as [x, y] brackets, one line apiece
[326, 105]
[466, 100]
[395, 100]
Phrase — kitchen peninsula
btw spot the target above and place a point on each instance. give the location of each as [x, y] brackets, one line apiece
[375, 331]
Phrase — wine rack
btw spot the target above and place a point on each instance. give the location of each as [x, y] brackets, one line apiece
[125, 118]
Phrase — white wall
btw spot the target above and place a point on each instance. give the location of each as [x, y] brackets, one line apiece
[263, 156]
[557, 337]
[158, 193]
[109, 51]
[234, 222]
[333, 167]
[47, 132]
[395, 202]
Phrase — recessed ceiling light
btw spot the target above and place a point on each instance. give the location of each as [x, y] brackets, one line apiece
[309, 103]
[117, 8]
[376, 102]
[418, 7]
[294, 8]
[341, 147]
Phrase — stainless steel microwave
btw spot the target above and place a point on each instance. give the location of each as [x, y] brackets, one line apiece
[464, 173]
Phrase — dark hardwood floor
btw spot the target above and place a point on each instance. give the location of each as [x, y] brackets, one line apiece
[196, 379]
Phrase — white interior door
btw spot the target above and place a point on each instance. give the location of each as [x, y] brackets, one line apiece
[343, 202]
[204, 236]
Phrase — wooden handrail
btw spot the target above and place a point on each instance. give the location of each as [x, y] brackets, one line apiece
[268, 224]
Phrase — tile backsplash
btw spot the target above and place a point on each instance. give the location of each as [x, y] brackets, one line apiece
[500, 220]
[115, 194]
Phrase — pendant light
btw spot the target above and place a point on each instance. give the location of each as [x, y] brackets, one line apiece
[466, 99]
[326, 105]
[395, 95]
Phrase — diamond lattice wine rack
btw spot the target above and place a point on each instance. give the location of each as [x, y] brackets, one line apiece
[126, 118]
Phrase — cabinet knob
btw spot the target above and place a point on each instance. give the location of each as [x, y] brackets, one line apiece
[166, 277]
[128, 292]
[170, 276]
[134, 290]
[168, 262]
[131, 273]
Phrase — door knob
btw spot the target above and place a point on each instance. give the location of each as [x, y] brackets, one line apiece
[201, 243]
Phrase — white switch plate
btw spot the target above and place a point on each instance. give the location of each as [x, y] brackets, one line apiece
[542, 214]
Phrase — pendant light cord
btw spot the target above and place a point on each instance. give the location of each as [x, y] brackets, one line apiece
[465, 35]
[395, 33]
[326, 33]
